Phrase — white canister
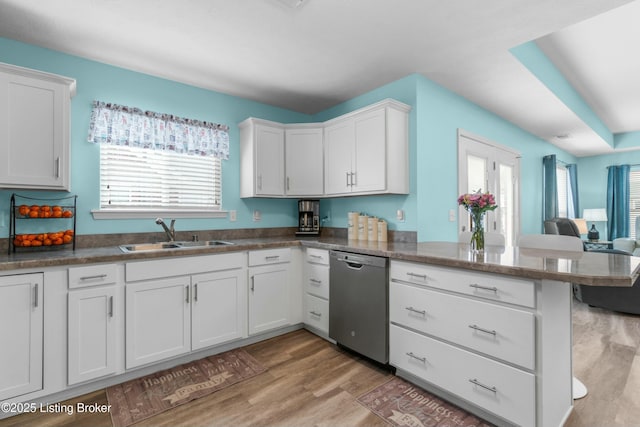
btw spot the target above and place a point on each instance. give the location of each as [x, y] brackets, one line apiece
[382, 230]
[373, 229]
[363, 227]
[352, 225]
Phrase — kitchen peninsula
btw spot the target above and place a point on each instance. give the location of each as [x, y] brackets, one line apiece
[491, 334]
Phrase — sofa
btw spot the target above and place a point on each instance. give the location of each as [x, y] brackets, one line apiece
[624, 300]
[627, 244]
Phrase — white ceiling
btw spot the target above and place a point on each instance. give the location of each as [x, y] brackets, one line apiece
[327, 51]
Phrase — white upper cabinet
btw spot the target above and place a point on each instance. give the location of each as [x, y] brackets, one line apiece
[367, 151]
[363, 152]
[34, 129]
[262, 159]
[303, 160]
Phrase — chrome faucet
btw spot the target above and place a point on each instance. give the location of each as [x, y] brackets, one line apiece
[171, 231]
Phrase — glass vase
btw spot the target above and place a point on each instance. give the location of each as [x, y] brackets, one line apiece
[477, 233]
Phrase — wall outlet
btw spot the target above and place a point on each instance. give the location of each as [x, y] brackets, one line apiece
[400, 215]
[257, 216]
[452, 215]
[233, 216]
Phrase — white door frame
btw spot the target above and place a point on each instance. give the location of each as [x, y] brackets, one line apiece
[493, 152]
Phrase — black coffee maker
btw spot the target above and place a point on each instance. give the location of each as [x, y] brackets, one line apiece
[308, 217]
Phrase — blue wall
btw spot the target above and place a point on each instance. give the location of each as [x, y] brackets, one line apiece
[435, 117]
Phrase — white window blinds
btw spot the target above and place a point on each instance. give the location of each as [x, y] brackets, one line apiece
[634, 201]
[142, 179]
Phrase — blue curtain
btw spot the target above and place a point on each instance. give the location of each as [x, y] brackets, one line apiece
[618, 201]
[572, 171]
[549, 188]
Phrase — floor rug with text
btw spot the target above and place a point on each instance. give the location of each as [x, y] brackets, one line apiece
[147, 396]
[400, 403]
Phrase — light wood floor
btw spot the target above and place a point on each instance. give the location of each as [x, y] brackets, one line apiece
[312, 382]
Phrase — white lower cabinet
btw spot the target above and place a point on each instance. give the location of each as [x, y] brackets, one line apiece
[493, 386]
[498, 342]
[316, 287]
[269, 305]
[93, 328]
[21, 314]
[172, 316]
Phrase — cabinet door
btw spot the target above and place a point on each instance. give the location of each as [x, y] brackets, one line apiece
[158, 320]
[34, 133]
[338, 145]
[303, 163]
[218, 310]
[268, 298]
[21, 315]
[92, 333]
[269, 160]
[370, 152]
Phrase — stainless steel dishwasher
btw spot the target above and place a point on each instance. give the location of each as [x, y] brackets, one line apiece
[358, 303]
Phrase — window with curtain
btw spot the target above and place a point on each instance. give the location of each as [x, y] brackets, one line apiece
[634, 200]
[153, 163]
[566, 199]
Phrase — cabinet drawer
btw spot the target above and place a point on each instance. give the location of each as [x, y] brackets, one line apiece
[93, 275]
[483, 285]
[317, 256]
[498, 331]
[269, 256]
[503, 390]
[317, 280]
[317, 313]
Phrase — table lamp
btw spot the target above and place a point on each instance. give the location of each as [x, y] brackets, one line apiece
[594, 215]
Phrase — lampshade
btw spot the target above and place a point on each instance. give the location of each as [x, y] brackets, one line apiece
[595, 215]
[582, 225]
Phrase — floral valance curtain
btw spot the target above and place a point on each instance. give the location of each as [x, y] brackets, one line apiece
[121, 125]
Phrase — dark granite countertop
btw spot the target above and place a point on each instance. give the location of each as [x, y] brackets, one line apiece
[581, 267]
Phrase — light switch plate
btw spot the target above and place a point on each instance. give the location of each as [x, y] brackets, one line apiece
[233, 215]
[257, 216]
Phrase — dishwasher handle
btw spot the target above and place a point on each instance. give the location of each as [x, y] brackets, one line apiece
[354, 265]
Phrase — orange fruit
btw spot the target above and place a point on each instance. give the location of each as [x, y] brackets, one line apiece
[56, 214]
[67, 239]
[34, 208]
[56, 208]
[57, 241]
[36, 243]
[33, 214]
[68, 232]
[23, 210]
[26, 243]
[29, 236]
[47, 242]
[67, 214]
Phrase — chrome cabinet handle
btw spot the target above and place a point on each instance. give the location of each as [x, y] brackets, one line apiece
[195, 292]
[417, 276]
[316, 281]
[486, 331]
[315, 256]
[111, 306]
[288, 184]
[316, 314]
[484, 288]
[413, 356]
[486, 387]
[272, 257]
[348, 183]
[187, 298]
[354, 182]
[97, 276]
[253, 283]
[259, 182]
[35, 295]
[57, 167]
[413, 310]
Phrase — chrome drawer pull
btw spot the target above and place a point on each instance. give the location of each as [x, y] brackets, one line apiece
[97, 276]
[486, 387]
[110, 306]
[417, 276]
[315, 256]
[272, 257]
[316, 314]
[316, 281]
[413, 356]
[423, 312]
[484, 288]
[486, 331]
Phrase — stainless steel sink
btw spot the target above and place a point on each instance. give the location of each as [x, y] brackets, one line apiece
[172, 245]
[149, 247]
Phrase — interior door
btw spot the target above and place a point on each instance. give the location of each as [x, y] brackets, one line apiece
[486, 166]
